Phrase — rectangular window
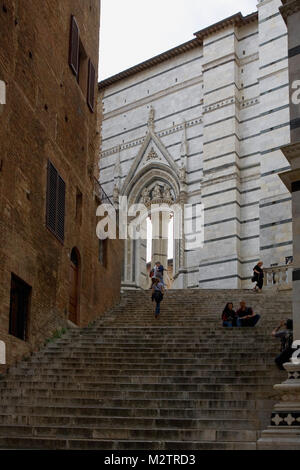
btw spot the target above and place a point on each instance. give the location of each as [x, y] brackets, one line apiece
[55, 210]
[79, 200]
[74, 47]
[91, 86]
[83, 72]
[20, 294]
[81, 65]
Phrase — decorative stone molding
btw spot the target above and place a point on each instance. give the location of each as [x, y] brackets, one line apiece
[247, 60]
[289, 8]
[291, 151]
[219, 104]
[152, 155]
[247, 103]
[158, 194]
[229, 101]
[263, 2]
[141, 140]
[240, 61]
[289, 177]
[284, 430]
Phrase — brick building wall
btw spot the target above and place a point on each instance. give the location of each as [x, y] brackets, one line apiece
[46, 117]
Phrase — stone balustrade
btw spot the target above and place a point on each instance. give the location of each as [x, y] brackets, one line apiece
[278, 276]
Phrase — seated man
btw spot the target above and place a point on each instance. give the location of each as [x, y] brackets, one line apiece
[285, 333]
[246, 316]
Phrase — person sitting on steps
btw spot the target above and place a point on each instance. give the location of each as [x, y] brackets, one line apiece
[246, 316]
[157, 294]
[229, 316]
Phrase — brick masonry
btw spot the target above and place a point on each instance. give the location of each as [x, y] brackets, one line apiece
[47, 117]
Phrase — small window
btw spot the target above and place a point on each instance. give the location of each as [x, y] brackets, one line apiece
[78, 215]
[103, 252]
[74, 46]
[20, 294]
[55, 206]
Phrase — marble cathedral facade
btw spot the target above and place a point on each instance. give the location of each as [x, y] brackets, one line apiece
[203, 123]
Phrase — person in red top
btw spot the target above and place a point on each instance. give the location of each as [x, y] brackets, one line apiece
[246, 316]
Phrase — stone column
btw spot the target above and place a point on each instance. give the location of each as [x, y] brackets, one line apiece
[160, 244]
[284, 431]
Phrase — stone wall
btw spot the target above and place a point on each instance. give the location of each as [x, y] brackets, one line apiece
[47, 117]
[232, 93]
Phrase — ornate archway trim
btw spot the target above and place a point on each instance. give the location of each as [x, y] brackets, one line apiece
[148, 175]
[151, 136]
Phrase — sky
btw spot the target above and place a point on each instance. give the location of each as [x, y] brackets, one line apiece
[136, 30]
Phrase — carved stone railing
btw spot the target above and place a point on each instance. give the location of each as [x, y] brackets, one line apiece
[278, 276]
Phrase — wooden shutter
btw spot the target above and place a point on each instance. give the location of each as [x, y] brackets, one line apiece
[55, 211]
[51, 197]
[60, 219]
[74, 47]
[91, 86]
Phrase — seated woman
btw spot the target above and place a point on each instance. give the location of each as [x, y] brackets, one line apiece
[229, 316]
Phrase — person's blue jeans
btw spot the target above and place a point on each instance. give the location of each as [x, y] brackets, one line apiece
[157, 310]
[227, 324]
[250, 322]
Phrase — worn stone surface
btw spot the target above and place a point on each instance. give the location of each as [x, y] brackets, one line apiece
[182, 382]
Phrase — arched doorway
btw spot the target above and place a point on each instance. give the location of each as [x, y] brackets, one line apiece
[74, 286]
[158, 191]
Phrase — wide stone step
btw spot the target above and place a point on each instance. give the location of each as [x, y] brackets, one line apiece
[170, 346]
[144, 384]
[133, 444]
[122, 424]
[96, 392]
[230, 392]
[129, 381]
[64, 399]
[104, 412]
[165, 357]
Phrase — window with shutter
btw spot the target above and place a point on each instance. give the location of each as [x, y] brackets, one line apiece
[56, 194]
[51, 197]
[60, 219]
[74, 47]
[91, 86]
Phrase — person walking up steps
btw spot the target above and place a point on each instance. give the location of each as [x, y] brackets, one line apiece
[159, 272]
[258, 276]
[157, 295]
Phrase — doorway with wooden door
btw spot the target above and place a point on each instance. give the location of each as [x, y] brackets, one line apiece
[74, 286]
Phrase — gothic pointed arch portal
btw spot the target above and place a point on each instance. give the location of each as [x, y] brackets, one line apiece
[159, 185]
[153, 178]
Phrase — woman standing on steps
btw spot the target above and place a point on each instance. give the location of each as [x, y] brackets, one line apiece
[258, 277]
[157, 294]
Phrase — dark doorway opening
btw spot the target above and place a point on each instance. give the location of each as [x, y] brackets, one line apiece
[74, 286]
[20, 294]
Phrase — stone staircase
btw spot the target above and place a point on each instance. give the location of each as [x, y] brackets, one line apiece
[130, 382]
